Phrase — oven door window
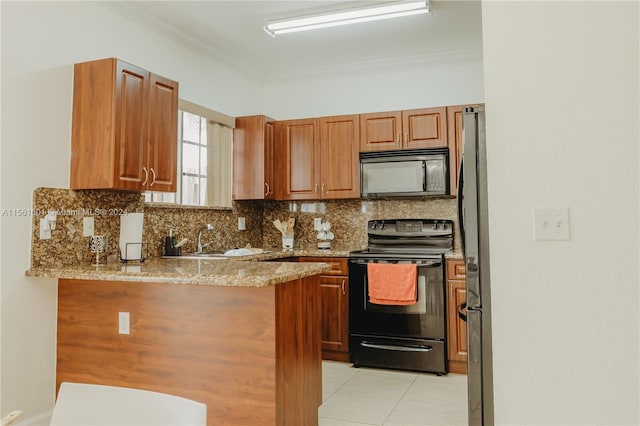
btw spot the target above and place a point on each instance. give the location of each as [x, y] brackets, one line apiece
[420, 307]
[426, 318]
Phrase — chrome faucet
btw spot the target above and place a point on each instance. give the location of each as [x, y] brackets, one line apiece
[207, 227]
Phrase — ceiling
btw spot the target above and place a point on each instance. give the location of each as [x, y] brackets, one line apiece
[231, 32]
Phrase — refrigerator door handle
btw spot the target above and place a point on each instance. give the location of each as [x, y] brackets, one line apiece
[460, 205]
[462, 315]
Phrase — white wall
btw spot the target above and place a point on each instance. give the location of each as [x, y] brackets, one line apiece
[40, 43]
[562, 96]
[448, 82]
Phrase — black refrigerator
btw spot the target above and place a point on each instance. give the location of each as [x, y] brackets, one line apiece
[474, 230]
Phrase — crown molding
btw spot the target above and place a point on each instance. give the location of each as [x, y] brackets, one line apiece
[210, 51]
[259, 72]
[377, 65]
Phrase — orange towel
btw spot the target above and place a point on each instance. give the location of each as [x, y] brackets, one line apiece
[392, 284]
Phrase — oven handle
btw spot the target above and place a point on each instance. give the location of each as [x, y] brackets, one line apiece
[430, 263]
[409, 348]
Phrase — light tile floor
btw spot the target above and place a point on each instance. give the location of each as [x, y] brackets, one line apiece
[367, 396]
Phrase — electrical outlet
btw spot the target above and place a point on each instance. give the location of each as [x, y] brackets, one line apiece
[242, 225]
[123, 323]
[317, 222]
[551, 224]
[88, 224]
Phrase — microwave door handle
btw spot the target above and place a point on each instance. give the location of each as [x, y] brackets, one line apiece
[424, 176]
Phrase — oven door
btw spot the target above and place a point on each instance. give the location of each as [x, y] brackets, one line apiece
[425, 319]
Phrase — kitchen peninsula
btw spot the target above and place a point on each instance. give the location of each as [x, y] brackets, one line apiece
[242, 337]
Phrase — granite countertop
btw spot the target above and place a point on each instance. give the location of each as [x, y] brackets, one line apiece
[247, 271]
[256, 270]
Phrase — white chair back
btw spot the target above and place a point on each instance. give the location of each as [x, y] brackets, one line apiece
[80, 404]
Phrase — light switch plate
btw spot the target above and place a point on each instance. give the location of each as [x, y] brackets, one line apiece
[317, 222]
[551, 224]
[45, 230]
[242, 224]
[88, 224]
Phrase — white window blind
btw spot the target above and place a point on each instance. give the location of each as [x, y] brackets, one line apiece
[205, 143]
[220, 161]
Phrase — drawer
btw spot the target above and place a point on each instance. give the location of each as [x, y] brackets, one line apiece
[455, 269]
[339, 265]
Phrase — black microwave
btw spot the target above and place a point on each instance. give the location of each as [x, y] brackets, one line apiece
[410, 173]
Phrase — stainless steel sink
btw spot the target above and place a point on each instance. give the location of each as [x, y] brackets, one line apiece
[211, 256]
[203, 256]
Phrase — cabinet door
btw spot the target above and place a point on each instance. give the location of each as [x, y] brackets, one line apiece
[298, 150]
[456, 328]
[339, 146]
[251, 157]
[424, 128]
[335, 313]
[163, 134]
[380, 131]
[454, 141]
[131, 127]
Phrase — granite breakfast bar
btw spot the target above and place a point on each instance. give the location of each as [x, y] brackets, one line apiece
[241, 336]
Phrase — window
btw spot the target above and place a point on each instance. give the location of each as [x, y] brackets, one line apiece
[192, 134]
[205, 140]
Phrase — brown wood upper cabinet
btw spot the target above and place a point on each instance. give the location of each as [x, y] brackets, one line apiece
[317, 158]
[253, 158]
[454, 136]
[125, 128]
[408, 129]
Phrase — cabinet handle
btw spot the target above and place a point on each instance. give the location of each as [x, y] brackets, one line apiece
[315, 188]
[398, 138]
[406, 138]
[343, 292]
[153, 172]
[146, 176]
[266, 185]
[323, 188]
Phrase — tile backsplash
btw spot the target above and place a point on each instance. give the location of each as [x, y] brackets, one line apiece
[348, 220]
[67, 246]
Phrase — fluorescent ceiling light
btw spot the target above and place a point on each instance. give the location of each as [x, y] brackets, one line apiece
[351, 16]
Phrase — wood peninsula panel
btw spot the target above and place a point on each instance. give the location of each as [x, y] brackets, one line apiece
[249, 353]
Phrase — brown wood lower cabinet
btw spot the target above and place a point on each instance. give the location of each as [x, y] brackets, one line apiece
[334, 289]
[251, 354]
[456, 328]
